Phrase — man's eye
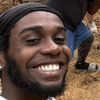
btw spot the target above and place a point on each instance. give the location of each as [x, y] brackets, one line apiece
[60, 40]
[33, 41]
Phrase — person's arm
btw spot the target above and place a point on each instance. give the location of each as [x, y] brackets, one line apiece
[93, 6]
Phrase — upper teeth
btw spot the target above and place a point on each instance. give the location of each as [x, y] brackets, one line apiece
[50, 67]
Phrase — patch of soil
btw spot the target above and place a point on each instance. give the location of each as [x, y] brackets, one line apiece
[85, 85]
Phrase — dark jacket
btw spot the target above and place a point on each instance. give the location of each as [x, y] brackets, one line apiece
[73, 11]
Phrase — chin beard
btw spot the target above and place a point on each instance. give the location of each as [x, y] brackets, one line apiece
[32, 87]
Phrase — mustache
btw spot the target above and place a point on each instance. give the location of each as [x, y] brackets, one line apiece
[47, 61]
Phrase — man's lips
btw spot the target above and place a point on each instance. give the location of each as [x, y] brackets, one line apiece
[52, 70]
[48, 67]
[45, 62]
[48, 71]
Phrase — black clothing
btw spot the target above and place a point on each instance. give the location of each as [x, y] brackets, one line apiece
[73, 11]
[9, 18]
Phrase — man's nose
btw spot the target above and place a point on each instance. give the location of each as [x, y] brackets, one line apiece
[51, 48]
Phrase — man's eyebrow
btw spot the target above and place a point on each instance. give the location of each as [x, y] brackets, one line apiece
[61, 28]
[34, 28]
[40, 28]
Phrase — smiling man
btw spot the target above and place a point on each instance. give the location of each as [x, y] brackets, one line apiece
[33, 52]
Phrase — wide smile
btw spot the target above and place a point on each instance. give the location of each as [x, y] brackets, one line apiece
[48, 68]
[48, 73]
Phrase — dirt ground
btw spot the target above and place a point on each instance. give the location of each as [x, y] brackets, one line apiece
[84, 85]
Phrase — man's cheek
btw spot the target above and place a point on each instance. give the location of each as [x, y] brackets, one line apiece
[67, 52]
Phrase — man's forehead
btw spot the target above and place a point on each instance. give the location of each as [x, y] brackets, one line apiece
[39, 20]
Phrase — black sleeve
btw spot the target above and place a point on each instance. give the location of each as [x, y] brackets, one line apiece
[93, 6]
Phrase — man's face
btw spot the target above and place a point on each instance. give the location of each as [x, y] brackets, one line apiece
[38, 57]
